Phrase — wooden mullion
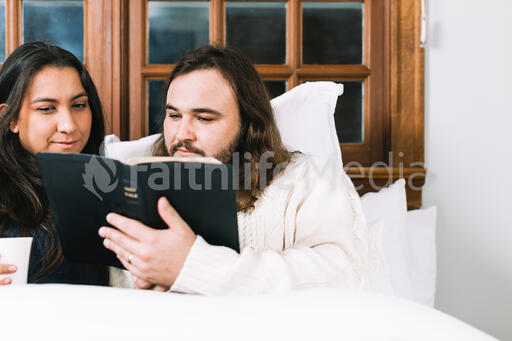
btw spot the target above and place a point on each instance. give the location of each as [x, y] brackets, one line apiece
[386, 134]
[375, 86]
[277, 71]
[104, 43]
[293, 41]
[369, 128]
[118, 63]
[418, 151]
[137, 113]
[265, 70]
[13, 28]
[257, 0]
[157, 70]
[217, 22]
[407, 82]
[336, 0]
[333, 71]
[95, 46]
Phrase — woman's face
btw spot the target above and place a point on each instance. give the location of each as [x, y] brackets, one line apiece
[55, 115]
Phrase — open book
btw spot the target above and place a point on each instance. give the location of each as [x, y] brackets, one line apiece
[82, 189]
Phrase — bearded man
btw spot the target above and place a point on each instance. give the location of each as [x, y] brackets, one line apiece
[300, 221]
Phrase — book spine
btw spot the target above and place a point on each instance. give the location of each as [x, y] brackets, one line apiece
[131, 189]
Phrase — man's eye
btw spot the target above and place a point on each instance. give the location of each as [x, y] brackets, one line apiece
[173, 115]
[205, 119]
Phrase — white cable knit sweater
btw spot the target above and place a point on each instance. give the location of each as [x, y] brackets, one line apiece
[307, 230]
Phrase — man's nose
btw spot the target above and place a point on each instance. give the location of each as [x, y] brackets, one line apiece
[185, 131]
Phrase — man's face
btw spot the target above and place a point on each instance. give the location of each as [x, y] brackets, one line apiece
[202, 116]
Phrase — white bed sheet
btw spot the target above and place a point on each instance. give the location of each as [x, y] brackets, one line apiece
[66, 312]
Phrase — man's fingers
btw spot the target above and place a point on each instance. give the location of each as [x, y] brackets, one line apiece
[169, 215]
[142, 284]
[119, 239]
[160, 288]
[131, 268]
[130, 227]
[7, 269]
[122, 252]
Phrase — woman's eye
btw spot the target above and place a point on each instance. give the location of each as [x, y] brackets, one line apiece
[46, 110]
[80, 106]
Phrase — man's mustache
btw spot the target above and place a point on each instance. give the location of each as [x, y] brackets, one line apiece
[186, 144]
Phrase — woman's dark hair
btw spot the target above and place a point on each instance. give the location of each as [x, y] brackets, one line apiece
[259, 133]
[22, 198]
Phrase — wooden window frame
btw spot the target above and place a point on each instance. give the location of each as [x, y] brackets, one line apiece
[104, 41]
[372, 72]
[396, 120]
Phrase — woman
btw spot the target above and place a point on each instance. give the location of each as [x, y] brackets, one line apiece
[48, 103]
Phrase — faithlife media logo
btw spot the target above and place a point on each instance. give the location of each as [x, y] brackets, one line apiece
[99, 175]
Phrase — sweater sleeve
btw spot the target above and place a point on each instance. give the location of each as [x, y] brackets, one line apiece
[324, 245]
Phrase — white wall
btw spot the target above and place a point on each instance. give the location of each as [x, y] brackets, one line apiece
[469, 158]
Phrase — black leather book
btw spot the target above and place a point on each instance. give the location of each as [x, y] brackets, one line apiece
[82, 189]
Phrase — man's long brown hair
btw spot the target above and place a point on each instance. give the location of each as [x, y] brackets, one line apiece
[259, 136]
[22, 197]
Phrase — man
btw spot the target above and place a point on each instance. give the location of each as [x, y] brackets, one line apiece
[299, 218]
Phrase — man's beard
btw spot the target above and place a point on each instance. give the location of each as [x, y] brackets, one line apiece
[225, 155]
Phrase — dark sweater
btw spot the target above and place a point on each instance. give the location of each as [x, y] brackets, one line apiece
[66, 272]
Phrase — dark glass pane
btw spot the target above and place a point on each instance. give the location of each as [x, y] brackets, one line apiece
[275, 88]
[2, 30]
[258, 29]
[156, 112]
[176, 27]
[59, 22]
[348, 115]
[332, 32]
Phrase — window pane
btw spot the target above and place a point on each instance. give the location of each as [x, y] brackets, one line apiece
[348, 115]
[176, 27]
[156, 112]
[275, 88]
[2, 30]
[332, 33]
[258, 29]
[59, 22]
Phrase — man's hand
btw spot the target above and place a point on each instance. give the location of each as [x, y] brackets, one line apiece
[155, 257]
[143, 285]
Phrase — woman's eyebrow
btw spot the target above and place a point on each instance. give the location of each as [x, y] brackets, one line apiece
[53, 100]
[82, 94]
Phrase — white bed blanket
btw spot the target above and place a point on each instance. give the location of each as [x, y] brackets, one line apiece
[65, 312]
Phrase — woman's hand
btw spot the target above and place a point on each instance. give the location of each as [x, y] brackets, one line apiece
[6, 269]
[153, 256]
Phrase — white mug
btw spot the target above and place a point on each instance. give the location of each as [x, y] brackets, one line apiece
[16, 251]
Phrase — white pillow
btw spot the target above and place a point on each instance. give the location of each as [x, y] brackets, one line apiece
[378, 273]
[385, 213]
[304, 116]
[421, 234]
[116, 149]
